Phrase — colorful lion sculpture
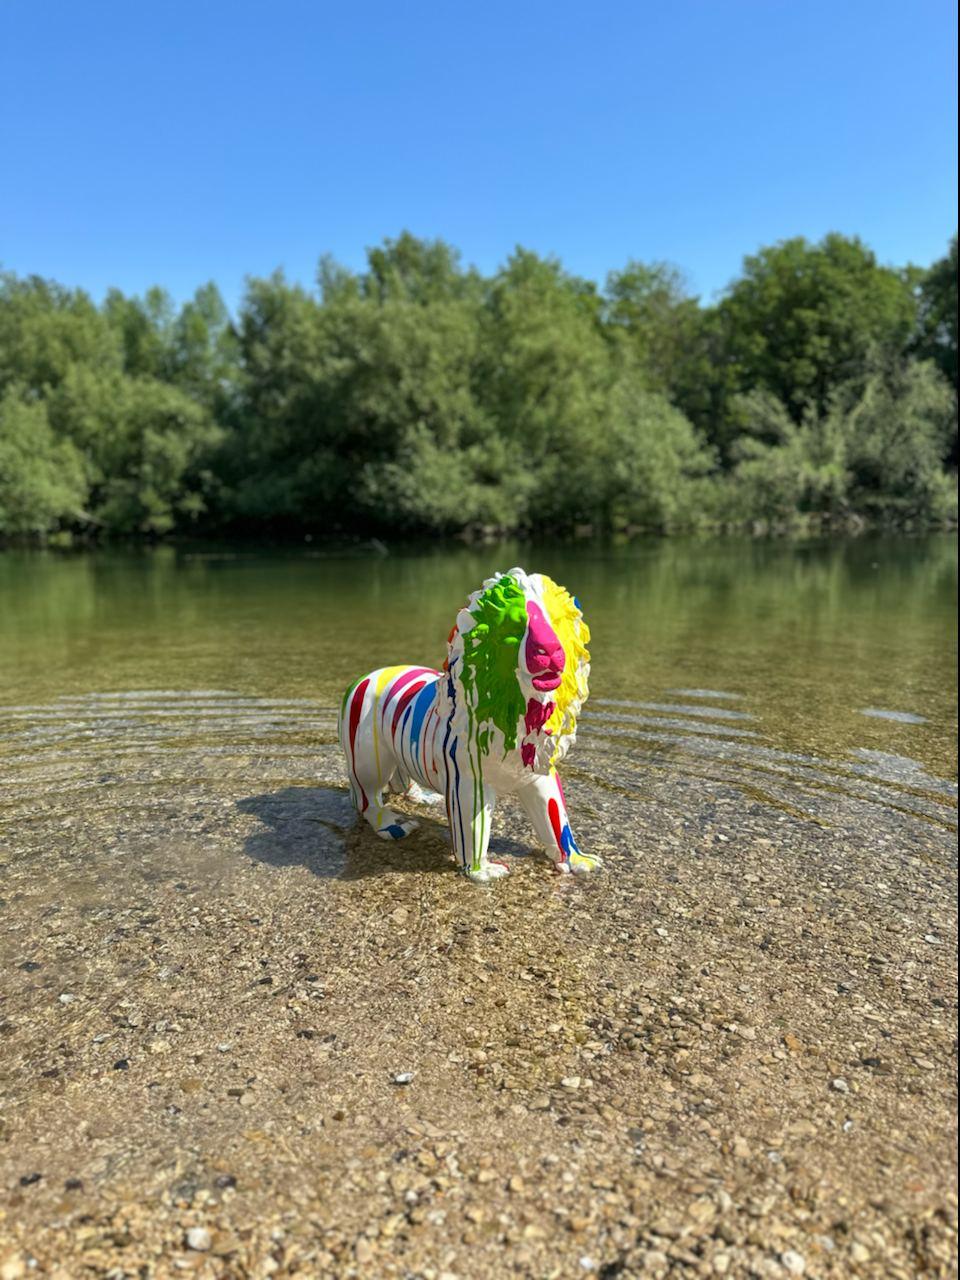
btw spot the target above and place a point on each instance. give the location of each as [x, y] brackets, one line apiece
[497, 720]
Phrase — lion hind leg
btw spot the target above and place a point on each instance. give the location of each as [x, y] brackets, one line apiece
[386, 823]
[370, 759]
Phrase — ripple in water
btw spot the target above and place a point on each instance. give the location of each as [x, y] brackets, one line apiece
[102, 743]
[900, 717]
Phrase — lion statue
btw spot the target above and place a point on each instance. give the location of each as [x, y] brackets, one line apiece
[496, 720]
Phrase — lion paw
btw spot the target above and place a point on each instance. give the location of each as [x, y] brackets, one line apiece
[582, 863]
[489, 871]
[397, 830]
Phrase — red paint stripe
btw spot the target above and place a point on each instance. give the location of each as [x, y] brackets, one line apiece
[553, 811]
[404, 701]
[356, 706]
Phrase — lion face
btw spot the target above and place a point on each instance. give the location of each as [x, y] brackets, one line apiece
[519, 665]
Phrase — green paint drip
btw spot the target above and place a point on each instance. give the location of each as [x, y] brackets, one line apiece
[491, 651]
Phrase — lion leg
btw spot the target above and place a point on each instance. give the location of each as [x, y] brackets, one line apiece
[371, 763]
[470, 805]
[410, 789]
[542, 798]
[386, 823]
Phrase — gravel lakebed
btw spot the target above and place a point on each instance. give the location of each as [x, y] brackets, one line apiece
[242, 1037]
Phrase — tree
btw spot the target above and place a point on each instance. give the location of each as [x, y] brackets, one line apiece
[45, 329]
[42, 481]
[937, 338]
[897, 435]
[650, 303]
[655, 465]
[545, 379]
[806, 319]
[144, 327]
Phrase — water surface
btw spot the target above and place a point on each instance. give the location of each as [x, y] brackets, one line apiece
[790, 670]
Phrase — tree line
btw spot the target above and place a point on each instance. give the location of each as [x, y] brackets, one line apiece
[419, 396]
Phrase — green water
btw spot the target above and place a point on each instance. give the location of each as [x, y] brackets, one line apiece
[800, 640]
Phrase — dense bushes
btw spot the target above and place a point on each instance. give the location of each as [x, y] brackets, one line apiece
[417, 397]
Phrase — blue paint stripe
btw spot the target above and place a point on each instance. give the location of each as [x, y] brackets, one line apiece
[421, 705]
[403, 737]
[450, 757]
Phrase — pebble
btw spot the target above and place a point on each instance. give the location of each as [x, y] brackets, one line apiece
[570, 1082]
[794, 1262]
[198, 1239]
[404, 1077]
[13, 1269]
[66, 998]
[839, 1085]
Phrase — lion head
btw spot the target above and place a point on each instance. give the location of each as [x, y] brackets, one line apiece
[518, 667]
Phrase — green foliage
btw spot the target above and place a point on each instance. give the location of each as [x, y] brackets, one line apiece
[875, 452]
[418, 396]
[42, 481]
[805, 319]
[938, 314]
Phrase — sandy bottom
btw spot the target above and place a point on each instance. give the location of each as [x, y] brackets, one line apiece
[242, 1037]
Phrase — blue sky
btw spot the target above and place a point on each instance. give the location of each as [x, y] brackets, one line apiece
[172, 143]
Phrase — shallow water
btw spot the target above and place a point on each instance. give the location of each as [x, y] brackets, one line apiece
[790, 670]
[214, 977]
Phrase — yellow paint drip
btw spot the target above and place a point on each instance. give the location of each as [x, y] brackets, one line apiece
[574, 634]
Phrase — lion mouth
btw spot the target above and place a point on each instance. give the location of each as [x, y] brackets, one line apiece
[545, 683]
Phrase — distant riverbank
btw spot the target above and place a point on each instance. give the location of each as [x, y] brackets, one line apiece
[417, 398]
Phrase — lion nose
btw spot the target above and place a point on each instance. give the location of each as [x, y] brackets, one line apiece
[547, 659]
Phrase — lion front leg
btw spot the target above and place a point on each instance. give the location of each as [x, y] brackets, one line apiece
[470, 805]
[542, 798]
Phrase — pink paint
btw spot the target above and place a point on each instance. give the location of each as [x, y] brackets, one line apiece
[528, 754]
[538, 713]
[544, 654]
